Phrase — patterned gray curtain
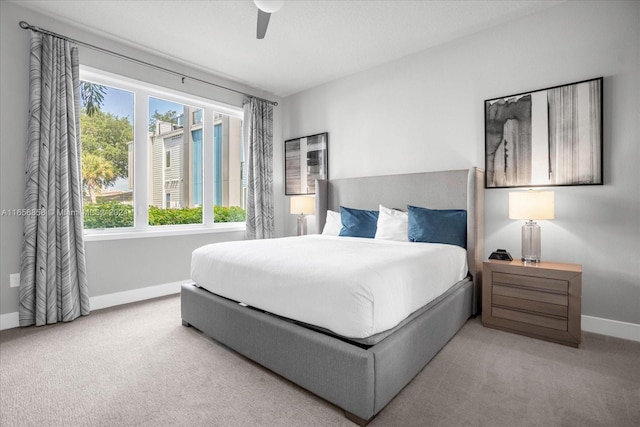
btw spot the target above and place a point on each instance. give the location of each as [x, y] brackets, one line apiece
[53, 285]
[259, 142]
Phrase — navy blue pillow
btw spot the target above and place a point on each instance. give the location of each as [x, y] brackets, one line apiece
[358, 222]
[438, 226]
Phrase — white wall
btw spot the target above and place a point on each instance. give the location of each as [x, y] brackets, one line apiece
[425, 112]
[112, 266]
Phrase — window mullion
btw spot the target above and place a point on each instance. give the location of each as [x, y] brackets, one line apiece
[141, 162]
[207, 166]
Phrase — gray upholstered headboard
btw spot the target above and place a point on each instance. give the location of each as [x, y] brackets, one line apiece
[455, 189]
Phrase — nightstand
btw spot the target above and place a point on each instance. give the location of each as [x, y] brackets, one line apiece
[541, 300]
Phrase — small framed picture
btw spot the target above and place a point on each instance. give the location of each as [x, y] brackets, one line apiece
[305, 160]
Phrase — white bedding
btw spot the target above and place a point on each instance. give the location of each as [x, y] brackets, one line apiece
[354, 287]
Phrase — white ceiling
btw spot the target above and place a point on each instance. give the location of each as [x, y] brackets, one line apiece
[307, 43]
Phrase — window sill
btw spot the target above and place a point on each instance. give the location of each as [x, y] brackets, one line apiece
[161, 231]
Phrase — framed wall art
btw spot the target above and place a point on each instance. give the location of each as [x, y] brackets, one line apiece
[547, 137]
[305, 160]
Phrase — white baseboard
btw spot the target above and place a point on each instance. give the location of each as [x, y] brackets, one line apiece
[11, 320]
[614, 328]
[119, 298]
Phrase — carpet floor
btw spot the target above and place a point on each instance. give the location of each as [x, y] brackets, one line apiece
[136, 365]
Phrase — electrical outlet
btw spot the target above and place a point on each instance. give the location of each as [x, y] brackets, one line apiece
[14, 280]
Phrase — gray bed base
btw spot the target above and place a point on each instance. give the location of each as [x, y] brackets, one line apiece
[360, 381]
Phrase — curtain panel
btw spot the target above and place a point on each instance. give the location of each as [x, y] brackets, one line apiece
[53, 285]
[258, 117]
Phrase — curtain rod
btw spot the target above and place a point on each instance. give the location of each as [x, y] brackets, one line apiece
[26, 26]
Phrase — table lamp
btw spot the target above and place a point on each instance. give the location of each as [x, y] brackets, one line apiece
[530, 206]
[302, 205]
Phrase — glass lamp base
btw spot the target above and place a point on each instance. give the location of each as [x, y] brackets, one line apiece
[302, 225]
[531, 242]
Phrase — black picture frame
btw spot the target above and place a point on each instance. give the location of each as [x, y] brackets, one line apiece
[305, 160]
[545, 138]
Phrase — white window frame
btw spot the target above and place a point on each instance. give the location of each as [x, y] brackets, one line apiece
[141, 93]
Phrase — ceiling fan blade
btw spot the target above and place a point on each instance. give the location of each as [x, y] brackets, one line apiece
[263, 22]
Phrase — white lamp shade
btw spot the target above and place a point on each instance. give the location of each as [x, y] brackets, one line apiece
[302, 205]
[269, 6]
[532, 205]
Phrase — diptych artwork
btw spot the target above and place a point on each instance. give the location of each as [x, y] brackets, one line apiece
[546, 137]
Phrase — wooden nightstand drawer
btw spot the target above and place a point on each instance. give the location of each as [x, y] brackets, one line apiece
[530, 305]
[529, 318]
[532, 282]
[541, 300]
[529, 294]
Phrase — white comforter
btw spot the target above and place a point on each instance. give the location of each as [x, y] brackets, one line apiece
[354, 287]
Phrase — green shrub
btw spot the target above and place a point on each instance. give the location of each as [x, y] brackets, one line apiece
[158, 216]
[229, 214]
[108, 215]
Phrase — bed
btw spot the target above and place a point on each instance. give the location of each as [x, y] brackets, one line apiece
[361, 376]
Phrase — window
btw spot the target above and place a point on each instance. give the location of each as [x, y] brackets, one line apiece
[106, 126]
[187, 152]
[181, 176]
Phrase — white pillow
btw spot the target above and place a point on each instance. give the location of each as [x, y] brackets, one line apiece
[333, 224]
[392, 225]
